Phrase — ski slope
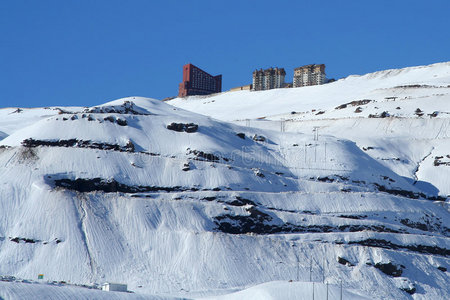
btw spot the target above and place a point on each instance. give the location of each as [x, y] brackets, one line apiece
[52, 291]
[415, 131]
[291, 291]
[177, 204]
[266, 291]
[411, 86]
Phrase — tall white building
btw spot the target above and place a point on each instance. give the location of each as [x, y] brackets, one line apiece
[309, 75]
[272, 78]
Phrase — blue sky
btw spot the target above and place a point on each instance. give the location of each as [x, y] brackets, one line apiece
[84, 53]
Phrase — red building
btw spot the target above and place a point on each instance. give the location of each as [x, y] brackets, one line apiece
[198, 82]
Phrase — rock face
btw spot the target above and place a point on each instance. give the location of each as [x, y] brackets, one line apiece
[32, 143]
[390, 269]
[180, 127]
[344, 262]
[241, 135]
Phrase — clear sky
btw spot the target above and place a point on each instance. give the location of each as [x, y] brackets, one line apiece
[87, 52]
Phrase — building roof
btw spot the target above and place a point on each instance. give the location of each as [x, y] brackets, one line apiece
[309, 66]
[271, 70]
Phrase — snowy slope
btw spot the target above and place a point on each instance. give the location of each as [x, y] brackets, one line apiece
[131, 214]
[432, 81]
[267, 291]
[54, 291]
[12, 119]
[409, 139]
[205, 208]
[291, 290]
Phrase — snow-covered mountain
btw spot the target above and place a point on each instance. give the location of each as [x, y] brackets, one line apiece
[399, 117]
[426, 86]
[181, 205]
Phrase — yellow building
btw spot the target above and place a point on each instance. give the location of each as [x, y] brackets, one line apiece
[242, 88]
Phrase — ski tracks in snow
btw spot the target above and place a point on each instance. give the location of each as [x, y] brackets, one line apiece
[79, 203]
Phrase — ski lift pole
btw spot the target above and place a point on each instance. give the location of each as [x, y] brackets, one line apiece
[323, 270]
[310, 270]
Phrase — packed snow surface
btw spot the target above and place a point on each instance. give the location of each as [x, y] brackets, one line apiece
[21, 291]
[291, 291]
[182, 205]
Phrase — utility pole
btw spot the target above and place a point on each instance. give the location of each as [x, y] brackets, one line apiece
[310, 270]
[305, 153]
[341, 289]
[327, 290]
[298, 261]
[313, 291]
[316, 133]
[323, 270]
[315, 152]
